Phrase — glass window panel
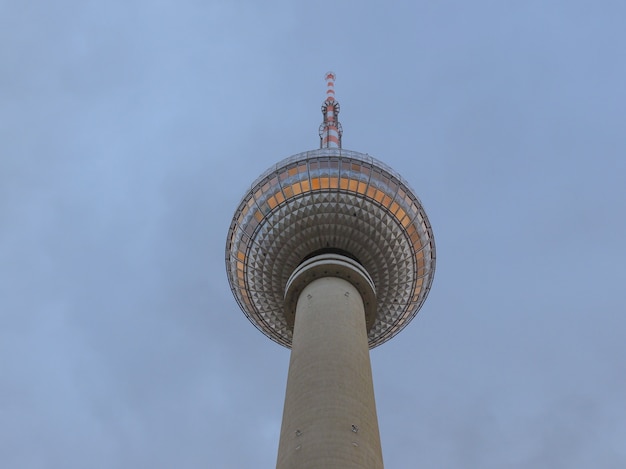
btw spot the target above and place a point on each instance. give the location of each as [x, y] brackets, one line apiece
[242, 246]
[393, 186]
[249, 230]
[242, 215]
[411, 230]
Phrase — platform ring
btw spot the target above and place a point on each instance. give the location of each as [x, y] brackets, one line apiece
[330, 265]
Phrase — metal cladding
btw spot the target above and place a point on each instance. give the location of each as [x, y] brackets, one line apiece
[328, 200]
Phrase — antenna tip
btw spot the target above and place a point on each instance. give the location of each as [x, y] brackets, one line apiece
[329, 76]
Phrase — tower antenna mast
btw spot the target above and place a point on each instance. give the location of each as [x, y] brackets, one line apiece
[330, 129]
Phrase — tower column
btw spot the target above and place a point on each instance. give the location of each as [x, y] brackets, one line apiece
[329, 418]
[338, 225]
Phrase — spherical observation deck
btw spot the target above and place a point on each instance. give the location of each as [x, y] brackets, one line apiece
[330, 200]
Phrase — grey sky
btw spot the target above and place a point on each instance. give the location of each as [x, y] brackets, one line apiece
[130, 130]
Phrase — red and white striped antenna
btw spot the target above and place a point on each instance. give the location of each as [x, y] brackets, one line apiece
[330, 130]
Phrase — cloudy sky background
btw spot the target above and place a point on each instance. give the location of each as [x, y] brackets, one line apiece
[129, 130]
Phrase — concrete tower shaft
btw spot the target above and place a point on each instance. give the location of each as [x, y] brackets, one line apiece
[329, 418]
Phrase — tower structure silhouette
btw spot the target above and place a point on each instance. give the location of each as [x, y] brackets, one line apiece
[330, 253]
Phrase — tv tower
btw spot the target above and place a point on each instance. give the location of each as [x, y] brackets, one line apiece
[330, 253]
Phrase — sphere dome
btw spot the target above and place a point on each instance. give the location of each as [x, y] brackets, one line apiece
[330, 200]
